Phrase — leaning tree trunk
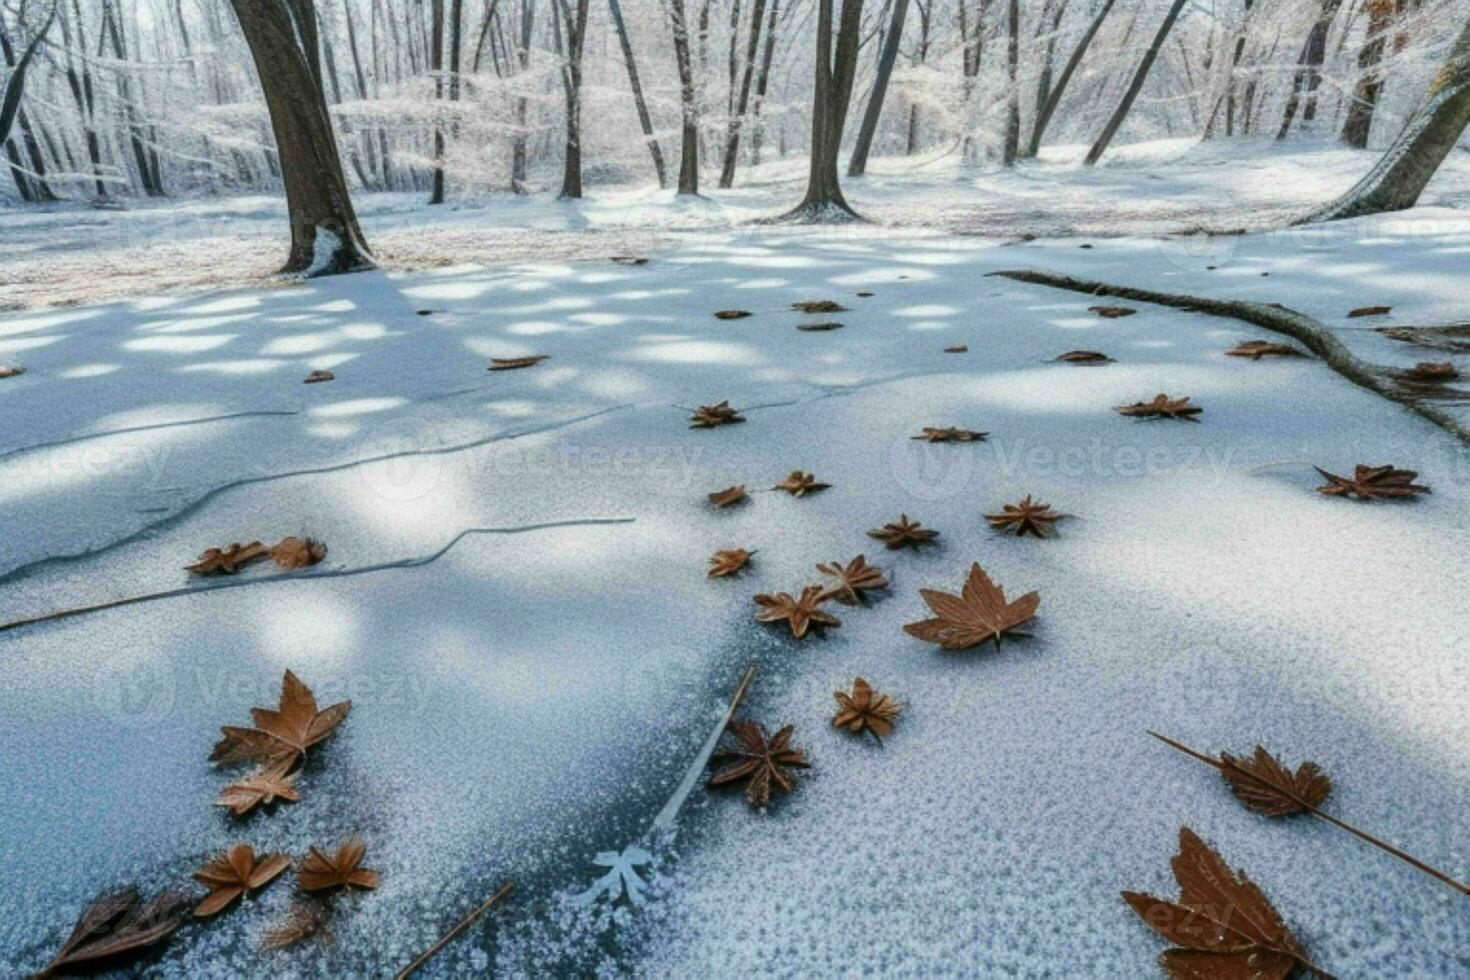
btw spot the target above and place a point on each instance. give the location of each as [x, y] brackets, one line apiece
[835, 71]
[689, 143]
[576, 31]
[742, 103]
[1054, 97]
[1136, 86]
[639, 102]
[858, 165]
[1370, 79]
[1432, 132]
[282, 38]
[10, 105]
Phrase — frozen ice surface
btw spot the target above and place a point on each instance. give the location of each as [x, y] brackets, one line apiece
[529, 697]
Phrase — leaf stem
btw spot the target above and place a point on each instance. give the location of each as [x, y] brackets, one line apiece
[1290, 794]
[464, 924]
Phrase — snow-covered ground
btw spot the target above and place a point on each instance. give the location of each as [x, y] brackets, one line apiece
[515, 597]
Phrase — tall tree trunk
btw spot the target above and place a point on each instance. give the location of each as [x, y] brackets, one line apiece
[282, 37]
[1054, 97]
[639, 102]
[1044, 77]
[436, 65]
[111, 31]
[1013, 100]
[858, 165]
[523, 56]
[1136, 86]
[576, 35]
[973, 40]
[1431, 133]
[1359, 122]
[741, 104]
[80, 84]
[763, 81]
[1309, 70]
[10, 104]
[688, 101]
[831, 95]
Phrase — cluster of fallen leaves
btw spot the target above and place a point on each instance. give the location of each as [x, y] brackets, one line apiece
[290, 554]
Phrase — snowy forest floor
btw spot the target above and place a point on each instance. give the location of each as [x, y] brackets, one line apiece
[515, 599]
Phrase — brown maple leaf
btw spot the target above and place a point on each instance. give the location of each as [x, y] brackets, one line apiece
[1112, 312]
[798, 614]
[1372, 483]
[261, 788]
[799, 484]
[317, 377]
[1222, 926]
[866, 709]
[979, 613]
[935, 434]
[11, 371]
[319, 872]
[1084, 357]
[282, 736]
[1257, 349]
[516, 363]
[818, 306]
[118, 926]
[1026, 518]
[234, 873]
[851, 581]
[725, 498]
[903, 533]
[732, 314]
[819, 327]
[956, 349]
[306, 918]
[728, 562]
[1162, 407]
[1369, 311]
[758, 761]
[294, 553]
[709, 416]
[228, 561]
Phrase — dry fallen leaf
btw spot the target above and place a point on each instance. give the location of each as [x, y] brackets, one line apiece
[261, 788]
[317, 377]
[979, 613]
[1084, 357]
[293, 553]
[1432, 371]
[234, 873]
[227, 561]
[515, 363]
[851, 581]
[798, 614]
[1222, 927]
[630, 260]
[799, 484]
[819, 306]
[759, 762]
[1162, 407]
[1026, 518]
[864, 708]
[725, 498]
[1112, 312]
[1370, 311]
[116, 926]
[865, 294]
[956, 349]
[732, 314]
[305, 919]
[11, 370]
[1257, 349]
[1372, 483]
[319, 872]
[818, 327]
[709, 416]
[728, 562]
[282, 736]
[903, 533]
[951, 434]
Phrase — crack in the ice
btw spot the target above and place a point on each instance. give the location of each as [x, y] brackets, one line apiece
[147, 530]
[320, 574]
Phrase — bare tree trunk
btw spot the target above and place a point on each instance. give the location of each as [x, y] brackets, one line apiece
[576, 36]
[831, 96]
[858, 165]
[689, 143]
[112, 33]
[973, 42]
[1309, 71]
[1359, 122]
[80, 84]
[742, 103]
[1431, 133]
[1136, 86]
[282, 37]
[10, 105]
[1013, 100]
[518, 147]
[639, 102]
[921, 55]
[1054, 98]
[436, 65]
[763, 81]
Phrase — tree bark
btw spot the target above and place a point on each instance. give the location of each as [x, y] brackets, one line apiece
[831, 96]
[576, 34]
[523, 56]
[1431, 133]
[10, 105]
[282, 37]
[436, 65]
[639, 102]
[689, 108]
[741, 103]
[1309, 71]
[1359, 124]
[1054, 97]
[858, 165]
[763, 81]
[1013, 100]
[1136, 86]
